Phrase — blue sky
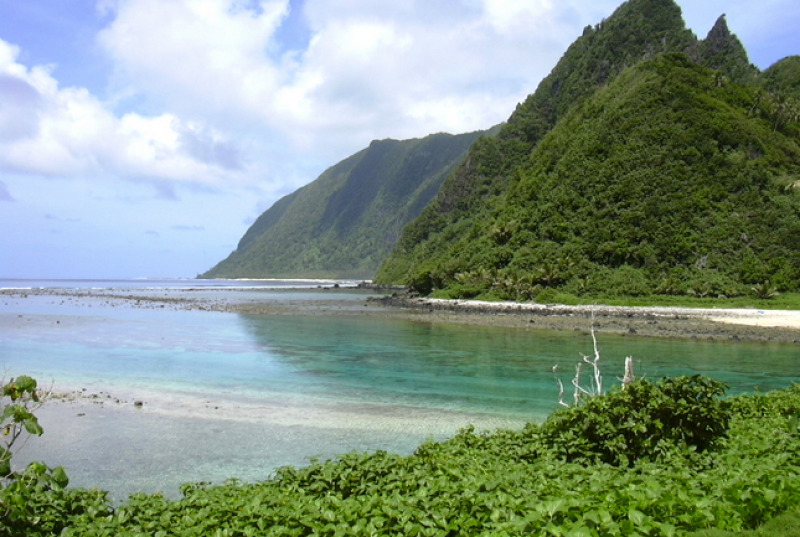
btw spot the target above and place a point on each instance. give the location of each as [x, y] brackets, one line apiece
[140, 138]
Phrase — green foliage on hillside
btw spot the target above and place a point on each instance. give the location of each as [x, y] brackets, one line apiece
[783, 77]
[735, 475]
[638, 29]
[630, 171]
[343, 224]
[670, 180]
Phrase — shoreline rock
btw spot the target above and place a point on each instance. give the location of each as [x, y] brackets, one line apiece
[670, 322]
[658, 321]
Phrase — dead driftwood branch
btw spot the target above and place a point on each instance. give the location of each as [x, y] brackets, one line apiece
[595, 387]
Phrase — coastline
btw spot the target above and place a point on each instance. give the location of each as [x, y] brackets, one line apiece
[654, 321]
[657, 321]
[193, 432]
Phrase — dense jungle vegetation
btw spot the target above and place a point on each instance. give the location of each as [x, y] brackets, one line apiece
[659, 458]
[635, 169]
[671, 180]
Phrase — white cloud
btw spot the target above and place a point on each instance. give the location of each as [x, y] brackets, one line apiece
[187, 54]
[53, 131]
[203, 92]
[370, 70]
[405, 69]
[244, 101]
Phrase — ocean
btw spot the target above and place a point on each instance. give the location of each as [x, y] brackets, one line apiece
[226, 395]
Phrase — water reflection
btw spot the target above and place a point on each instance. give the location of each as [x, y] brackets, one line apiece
[489, 368]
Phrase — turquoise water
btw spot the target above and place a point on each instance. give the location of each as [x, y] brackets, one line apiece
[230, 395]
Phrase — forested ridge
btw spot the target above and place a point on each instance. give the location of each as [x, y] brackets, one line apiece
[343, 224]
[646, 162]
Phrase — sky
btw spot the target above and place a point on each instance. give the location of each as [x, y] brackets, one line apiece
[141, 138]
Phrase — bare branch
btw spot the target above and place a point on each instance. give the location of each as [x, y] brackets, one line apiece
[580, 391]
[560, 387]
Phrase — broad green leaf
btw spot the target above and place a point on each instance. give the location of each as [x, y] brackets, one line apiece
[60, 476]
[637, 517]
[581, 531]
[33, 427]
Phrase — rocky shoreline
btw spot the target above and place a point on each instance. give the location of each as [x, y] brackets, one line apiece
[694, 323]
[669, 322]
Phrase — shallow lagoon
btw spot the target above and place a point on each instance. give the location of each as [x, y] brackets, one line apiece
[228, 395]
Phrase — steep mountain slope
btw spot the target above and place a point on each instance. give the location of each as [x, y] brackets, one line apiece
[638, 30]
[670, 179]
[345, 222]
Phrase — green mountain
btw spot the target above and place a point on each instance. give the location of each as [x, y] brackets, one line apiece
[343, 224]
[634, 168]
[783, 77]
[638, 29]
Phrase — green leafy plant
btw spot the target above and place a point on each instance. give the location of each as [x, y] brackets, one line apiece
[765, 291]
[641, 422]
[21, 492]
[20, 400]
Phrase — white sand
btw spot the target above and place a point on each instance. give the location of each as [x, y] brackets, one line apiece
[742, 316]
[283, 410]
[775, 318]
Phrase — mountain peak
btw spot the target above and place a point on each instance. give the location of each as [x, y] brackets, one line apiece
[719, 36]
[637, 30]
[632, 192]
[721, 50]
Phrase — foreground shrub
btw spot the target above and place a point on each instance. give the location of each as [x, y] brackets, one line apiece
[643, 421]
